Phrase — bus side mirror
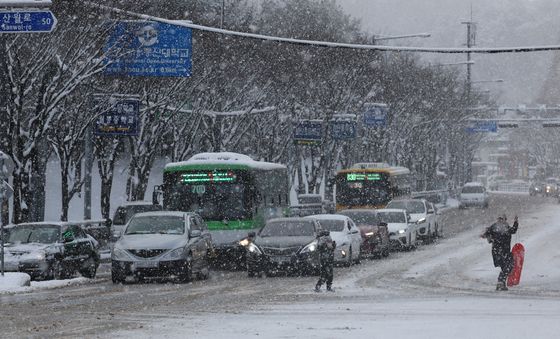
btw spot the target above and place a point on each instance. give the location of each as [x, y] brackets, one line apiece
[156, 194]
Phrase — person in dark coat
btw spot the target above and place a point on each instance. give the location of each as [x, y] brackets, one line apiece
[325, 246]
[499, 235]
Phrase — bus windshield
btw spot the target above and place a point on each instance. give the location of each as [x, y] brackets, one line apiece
[362, 192]
[219, 199]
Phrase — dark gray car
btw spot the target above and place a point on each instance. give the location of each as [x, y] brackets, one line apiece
[51, 251]
[284, 244]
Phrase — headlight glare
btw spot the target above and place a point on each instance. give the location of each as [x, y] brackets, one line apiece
[421, 221]
[253, 248]
[311, 247]
[244, 242]
[401, 232]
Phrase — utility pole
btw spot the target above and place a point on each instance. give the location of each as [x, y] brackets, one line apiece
[223, 14]
[471, 42]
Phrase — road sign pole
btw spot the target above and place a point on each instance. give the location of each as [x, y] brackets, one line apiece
[88, 162]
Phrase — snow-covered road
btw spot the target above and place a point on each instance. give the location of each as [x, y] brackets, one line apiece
[442, 290]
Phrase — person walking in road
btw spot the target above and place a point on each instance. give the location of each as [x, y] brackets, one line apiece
[499, 235]
[325, 246]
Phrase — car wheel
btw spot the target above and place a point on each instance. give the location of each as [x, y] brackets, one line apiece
[58, 271]
[89, 268]
[186, 275]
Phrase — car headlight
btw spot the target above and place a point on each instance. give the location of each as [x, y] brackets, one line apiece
[174, 254]
[311, 247]
[244, 242]
[253, 249]
[401, 231]
[369, 234]
[120, 255]
[421, 221]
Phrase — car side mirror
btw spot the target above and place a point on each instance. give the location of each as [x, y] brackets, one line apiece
[67, 239]
[108, 222]
[251, 235]
[196, 233]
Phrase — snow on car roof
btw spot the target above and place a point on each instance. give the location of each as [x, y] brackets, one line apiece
[391, 210]
[473, 184]
[328, 216]
[136, 203]
[162, 213]
[358, 210]
[225, 158]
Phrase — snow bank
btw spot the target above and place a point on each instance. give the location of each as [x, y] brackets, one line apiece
[39, 285]
[14, 281]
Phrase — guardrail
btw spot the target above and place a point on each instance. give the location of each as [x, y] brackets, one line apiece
[435, 196]
[517, 187]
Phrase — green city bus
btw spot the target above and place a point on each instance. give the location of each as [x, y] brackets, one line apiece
[233, 193]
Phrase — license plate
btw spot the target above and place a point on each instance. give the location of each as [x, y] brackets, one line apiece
[146, 264]
[280, 259]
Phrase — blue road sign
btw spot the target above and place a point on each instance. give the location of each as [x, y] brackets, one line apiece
[308, 132]
[27, 22]
[145, 48]
[120, 119]
[343, 130]
[375, 115]
[483, 126]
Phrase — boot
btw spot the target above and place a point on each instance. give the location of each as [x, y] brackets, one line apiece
[501, 286]
[330, 289]
[317, 288]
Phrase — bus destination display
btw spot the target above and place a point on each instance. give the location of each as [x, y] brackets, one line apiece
[208, 177]
[363, 176]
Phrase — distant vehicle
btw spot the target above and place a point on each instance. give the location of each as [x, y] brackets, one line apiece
[284, 245]
[346, 235]
[402, 232]
[162, 245]
[51, 251]
[551, 187]
[232, 192]
[375, 236]
[124, 212]
[422, 213]
[310, 204]
[536, 188]
[370, 185]
[473, 194]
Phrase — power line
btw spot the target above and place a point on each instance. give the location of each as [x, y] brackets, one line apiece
[439, 50]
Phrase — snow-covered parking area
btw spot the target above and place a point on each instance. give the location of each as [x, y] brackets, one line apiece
[20, 282]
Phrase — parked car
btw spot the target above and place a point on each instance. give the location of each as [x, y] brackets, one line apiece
[311, 204]
[473, 194]
[51, 251]
[124, 212]
[402, 232]
[346, 235]
[422, 213]
[162, 245]
[375, 236]
[284, 245]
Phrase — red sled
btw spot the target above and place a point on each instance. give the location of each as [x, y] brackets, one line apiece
[518, 252]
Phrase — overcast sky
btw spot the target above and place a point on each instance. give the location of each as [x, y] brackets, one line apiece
[501, 23]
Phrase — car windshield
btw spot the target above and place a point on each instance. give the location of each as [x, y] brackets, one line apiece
[288, 228]
[411, 206]
[156, 225]
[392, 217]
[332, 225]
[473, 189]
[361, 218]
[43, 234]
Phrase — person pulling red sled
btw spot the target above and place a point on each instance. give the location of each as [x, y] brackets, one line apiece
[518, 253]
[499, 235]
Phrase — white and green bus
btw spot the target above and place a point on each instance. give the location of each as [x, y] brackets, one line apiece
[233, 193]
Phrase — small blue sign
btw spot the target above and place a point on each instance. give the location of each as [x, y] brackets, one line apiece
[483, 127]
[343, 130]
[308, 132]
[120, 119]
[145, 48]
[27, 22]
[375, 115]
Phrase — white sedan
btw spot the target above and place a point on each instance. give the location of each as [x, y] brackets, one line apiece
[346, 235]
[402, 233]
